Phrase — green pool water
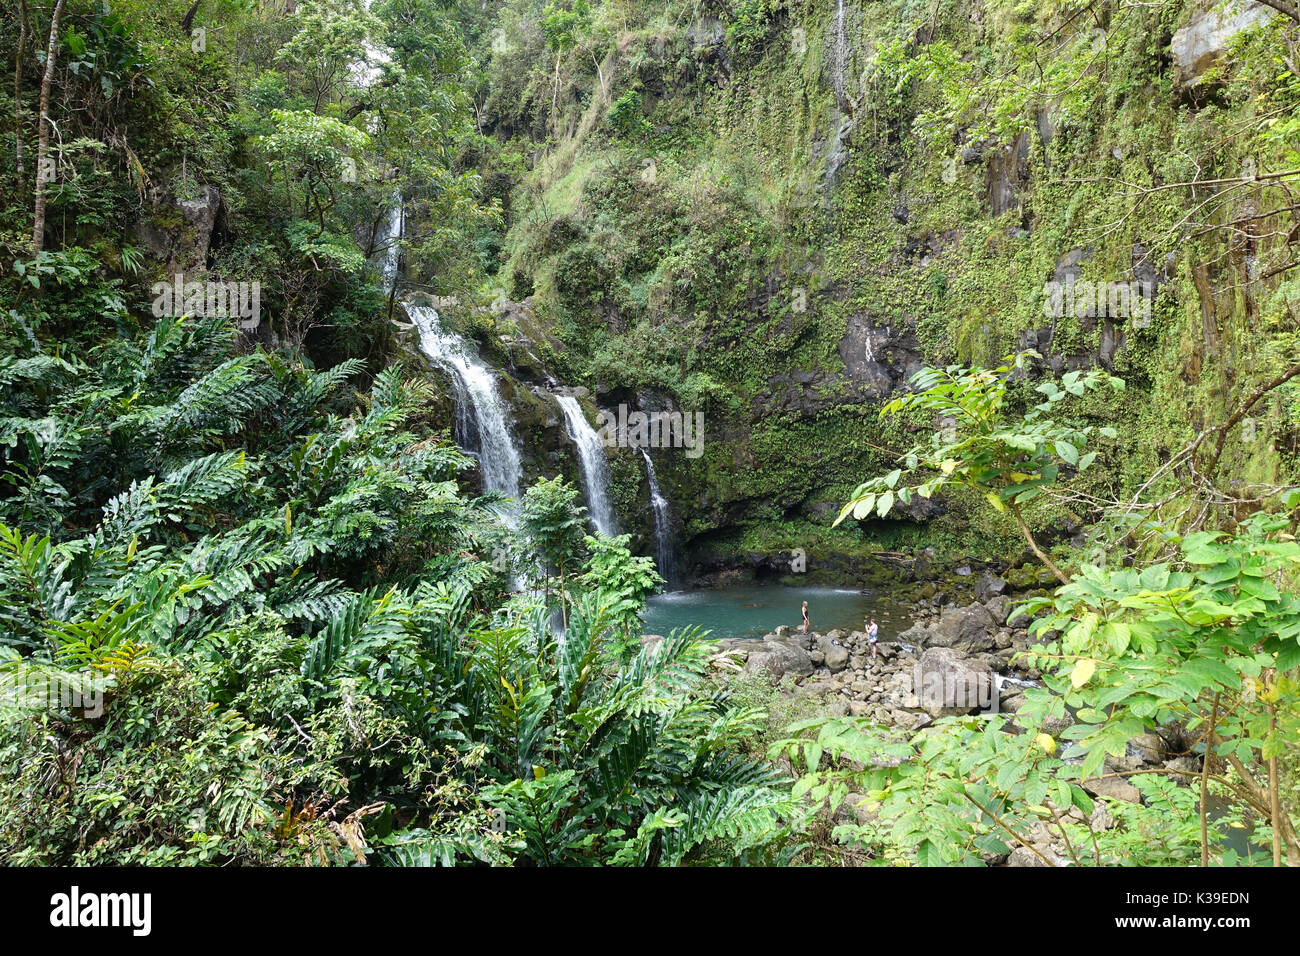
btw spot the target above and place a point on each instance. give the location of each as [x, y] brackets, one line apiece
[752, 611]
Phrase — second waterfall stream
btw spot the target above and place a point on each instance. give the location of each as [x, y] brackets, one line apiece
[594, 465]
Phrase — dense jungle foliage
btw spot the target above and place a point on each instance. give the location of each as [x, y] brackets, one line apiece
[257, 607]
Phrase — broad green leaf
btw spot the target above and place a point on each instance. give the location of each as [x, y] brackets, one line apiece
[1082, 672]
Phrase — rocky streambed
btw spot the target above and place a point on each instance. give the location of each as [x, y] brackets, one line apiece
[956, 658]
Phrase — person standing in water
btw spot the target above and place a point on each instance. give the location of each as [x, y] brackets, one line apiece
[872, 632]
[805, 617]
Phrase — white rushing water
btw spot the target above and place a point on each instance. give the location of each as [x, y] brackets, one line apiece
[663, 526]
[840, 55]
[594, 466]
[838, 153]
[482, 418]
[390, 248]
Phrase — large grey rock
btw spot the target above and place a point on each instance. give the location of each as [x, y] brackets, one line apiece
[1184, 764]
[1148, 748]
[838, 707]
[815, 689]
[835, 655]
[1199, 46]
[918, 635]
[1114, 787]
[178, 230]
[1023, 856]
[1008, 174]
[777, 659]
[1055, 726]
[878, 356]
[948, 681]
[989, 585]
[855, 808]
[968, 628]
[999, 607]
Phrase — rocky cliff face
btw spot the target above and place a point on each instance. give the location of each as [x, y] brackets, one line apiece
[801, 207]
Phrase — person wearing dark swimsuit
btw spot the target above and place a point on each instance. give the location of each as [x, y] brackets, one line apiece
[805, 617]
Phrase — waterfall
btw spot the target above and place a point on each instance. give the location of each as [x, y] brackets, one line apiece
[838, 153]
[841, 55]
[663, 529]
[482, 418]
[594, 465]
[390, 249]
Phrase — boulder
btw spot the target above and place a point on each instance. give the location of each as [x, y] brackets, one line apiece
[909, 721]
[948, 681]
[1101, 818]
[834, 654]
[742, 646]
[1116, 788]
[999, 607]
[816, 688]
[1011, 701]
[879, 357]
[1199, 46]
[1184, 765]
[1008, 175]
[1057, 725]
[178, 230]
[839, 707]
[1149, 748]
[989, 585]
[1023, 856]
[968, 628]
[856, 805]
[918, 635]
[777, 659]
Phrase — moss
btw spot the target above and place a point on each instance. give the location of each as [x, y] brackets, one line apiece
[671, 260]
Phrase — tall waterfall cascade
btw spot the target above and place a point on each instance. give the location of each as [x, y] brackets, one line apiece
[594, 466]
[663, 526]
[839, 55]
[482, 417]
[390, 249]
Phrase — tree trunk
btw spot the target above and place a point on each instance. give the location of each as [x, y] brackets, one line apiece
[18, 88]
[187, 21]
[1205, 783]
[555, 91]
[1033, 545]
[1274, 803]
[43, 137]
